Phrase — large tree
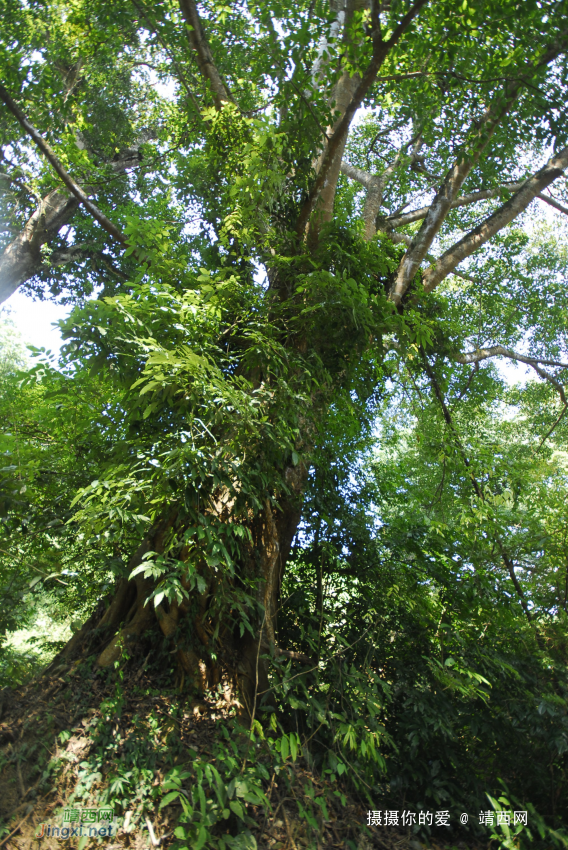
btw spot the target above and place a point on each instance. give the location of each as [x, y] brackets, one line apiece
[274, 203]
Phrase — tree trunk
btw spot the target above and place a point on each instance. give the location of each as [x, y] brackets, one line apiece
[208, 652]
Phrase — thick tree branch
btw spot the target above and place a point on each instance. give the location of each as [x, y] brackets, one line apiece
[295, 656]
[441, 204]
[66, 178]
[367, 179]
[83, 251]
[401, 219]
[480, 134]
[200, 45]
[553, 203]
[477, 237]
[322, 60]
[22, 258]
[336, 142]
[376, 184]
[340, 100]
[375, 193]
[357, 174]
[71, 254]
[501, 351]
[392, 222]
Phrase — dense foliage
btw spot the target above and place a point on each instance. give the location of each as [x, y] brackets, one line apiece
[275, 461]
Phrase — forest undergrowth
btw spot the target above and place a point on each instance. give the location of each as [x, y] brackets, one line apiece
[76, 739]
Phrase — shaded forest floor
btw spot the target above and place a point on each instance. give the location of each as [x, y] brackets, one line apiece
[80, 738]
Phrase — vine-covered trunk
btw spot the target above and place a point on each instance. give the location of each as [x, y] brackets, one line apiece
[208, 641]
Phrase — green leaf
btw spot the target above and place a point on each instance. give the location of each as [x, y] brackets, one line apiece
[293, 746]
[173, 795]
[201, 838]
[236, 807]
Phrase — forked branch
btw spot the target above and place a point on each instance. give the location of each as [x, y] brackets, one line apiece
[510, 210]
[401, 219]
[335, 142]
[480, 134]
[376, 184]
[22, 258]
[535, 363]
[501, 351]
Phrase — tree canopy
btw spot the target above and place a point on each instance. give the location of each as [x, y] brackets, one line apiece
[276, 463]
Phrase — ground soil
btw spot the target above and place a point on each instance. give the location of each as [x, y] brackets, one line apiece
[33, 717]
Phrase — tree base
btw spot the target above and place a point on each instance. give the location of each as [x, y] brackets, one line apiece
[128, 723]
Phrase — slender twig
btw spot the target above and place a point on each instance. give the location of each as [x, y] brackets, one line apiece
[549, 432]
[181, 75]
[288, 830]
[325, 661]
[477, 487]
[256, 694]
